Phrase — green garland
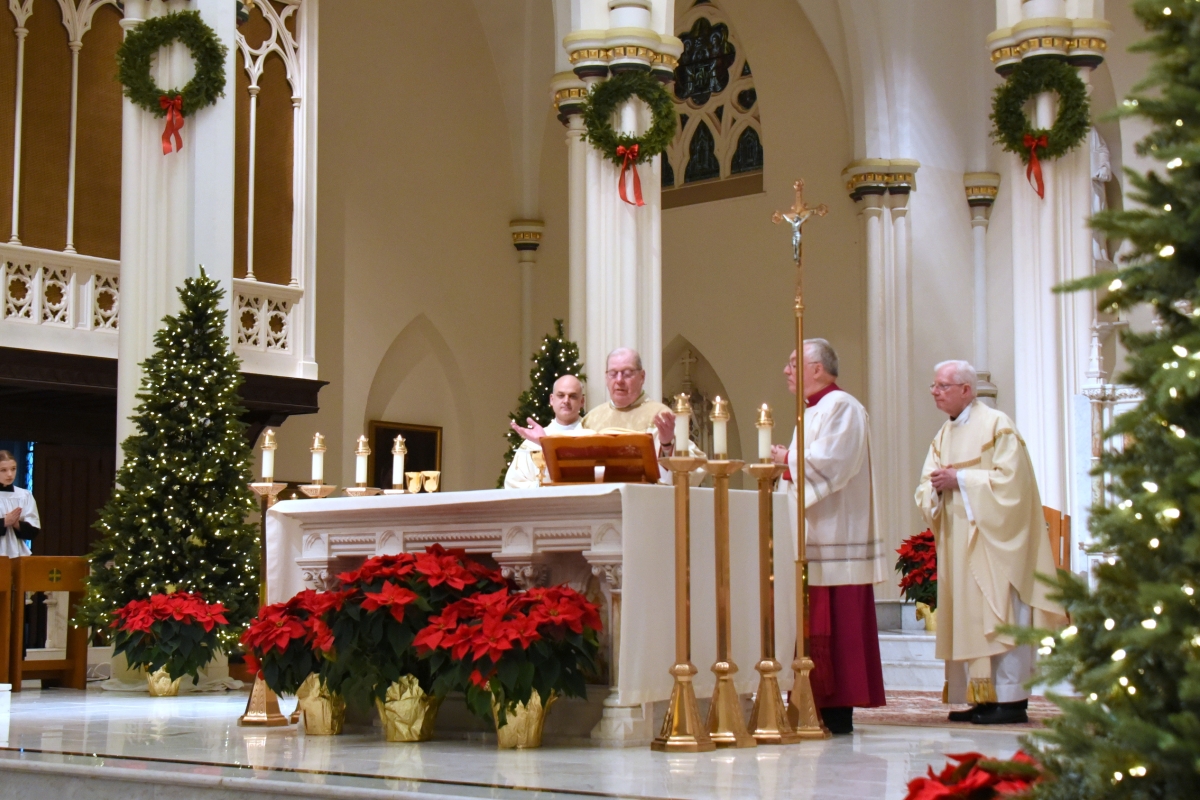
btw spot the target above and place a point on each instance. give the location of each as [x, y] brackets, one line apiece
[134, 55]
[602, 103]
[1030, 78]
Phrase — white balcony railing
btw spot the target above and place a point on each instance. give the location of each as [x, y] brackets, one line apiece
[266, 322]
[59, 301]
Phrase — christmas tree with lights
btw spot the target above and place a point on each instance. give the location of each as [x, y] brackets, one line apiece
[557, 356]
[177, 518]
[1132, 651]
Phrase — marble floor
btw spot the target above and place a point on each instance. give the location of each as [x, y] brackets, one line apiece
[196, 737]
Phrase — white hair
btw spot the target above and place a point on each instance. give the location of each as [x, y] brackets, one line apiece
[823, 354]
[637, 358]
[960, 372]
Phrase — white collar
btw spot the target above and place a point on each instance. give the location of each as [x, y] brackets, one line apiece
[556, 426]
[964, 415]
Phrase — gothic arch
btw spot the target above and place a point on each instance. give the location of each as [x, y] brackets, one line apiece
[705, 381]
[418, 341]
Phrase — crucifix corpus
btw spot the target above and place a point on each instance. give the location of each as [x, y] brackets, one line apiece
[802, 709]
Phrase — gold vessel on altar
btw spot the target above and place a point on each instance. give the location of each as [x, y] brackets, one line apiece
[160, 683]
[522, 728]
[408, 714]
[324, 712]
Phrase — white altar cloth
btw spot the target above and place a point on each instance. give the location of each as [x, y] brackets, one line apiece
[624, 531]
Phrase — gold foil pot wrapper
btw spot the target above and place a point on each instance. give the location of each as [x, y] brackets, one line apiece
[324, 713]
[432, 477]
[407, 713]
[522, 728]
[929, 615]
[160, 684]
[414, 482]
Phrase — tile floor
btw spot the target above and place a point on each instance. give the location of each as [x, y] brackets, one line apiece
[198, 735]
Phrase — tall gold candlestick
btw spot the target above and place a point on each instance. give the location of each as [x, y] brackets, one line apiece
[802, 708]
[726, 722]
[262, 708]
[682, 730]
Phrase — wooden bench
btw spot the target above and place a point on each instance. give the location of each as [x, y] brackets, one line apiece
[1058, 525]
[48, 574]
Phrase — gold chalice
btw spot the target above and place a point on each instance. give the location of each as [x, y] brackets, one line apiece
[414, 482]
[431, 479]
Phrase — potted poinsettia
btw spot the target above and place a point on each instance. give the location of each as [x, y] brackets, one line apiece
[169, 635]
[514, 654]
[917, 566]
[387, 601]
[287, 643]
[976, 777]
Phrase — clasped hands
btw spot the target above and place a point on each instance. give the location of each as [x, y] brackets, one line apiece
[13, 518]
[944, 480]
[664, 422]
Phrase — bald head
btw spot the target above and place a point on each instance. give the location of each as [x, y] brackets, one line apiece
[566, 399]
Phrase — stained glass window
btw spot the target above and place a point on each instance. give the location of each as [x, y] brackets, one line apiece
[702, 157]
[748, 156]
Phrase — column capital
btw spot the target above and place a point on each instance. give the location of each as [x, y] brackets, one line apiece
[981, 189]
[569, 94]
[594, 53]
[880, 176]
[527, 235]
[1079, 42]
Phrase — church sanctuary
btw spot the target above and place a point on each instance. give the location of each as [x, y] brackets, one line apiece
[650, 399]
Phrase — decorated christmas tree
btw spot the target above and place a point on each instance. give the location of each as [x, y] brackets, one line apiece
[177, 519]
[556, 357]
[1132, 651]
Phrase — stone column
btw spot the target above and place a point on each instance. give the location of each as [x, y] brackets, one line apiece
[1051, 244]
[881, 188]
[981, 188]
[177, 209]
[616, 248]
[526, 237]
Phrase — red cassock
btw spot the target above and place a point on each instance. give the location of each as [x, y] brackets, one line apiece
[844, 644]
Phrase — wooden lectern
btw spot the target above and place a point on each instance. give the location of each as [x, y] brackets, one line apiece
[603, 458]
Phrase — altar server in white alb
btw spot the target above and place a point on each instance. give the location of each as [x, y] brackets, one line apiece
[845, 552]
[21, 521]
[566, 400]
[980, 498]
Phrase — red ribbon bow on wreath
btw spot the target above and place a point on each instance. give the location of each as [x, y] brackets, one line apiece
[1035, 167]
[174, 109]
[629, 154]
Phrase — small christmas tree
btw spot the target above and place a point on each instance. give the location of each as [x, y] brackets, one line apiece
[557, 356]
[1132, 651]
[177, 519]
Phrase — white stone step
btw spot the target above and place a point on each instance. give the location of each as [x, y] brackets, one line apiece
[909, 663]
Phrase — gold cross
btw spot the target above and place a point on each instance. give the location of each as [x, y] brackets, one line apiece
[55, 575]
[799, 214]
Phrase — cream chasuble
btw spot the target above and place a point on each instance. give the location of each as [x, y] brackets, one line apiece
[523, 472]
[991, 541]
[638, 417]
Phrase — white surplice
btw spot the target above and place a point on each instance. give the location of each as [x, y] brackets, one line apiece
[12, 545]
[523, 472]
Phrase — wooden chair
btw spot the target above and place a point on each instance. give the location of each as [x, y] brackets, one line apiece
[1059, 527]
[5, 616]
[48, 574]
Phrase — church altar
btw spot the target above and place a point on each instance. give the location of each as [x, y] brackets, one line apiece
[621, 535]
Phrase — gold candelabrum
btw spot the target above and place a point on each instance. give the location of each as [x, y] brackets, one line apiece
[768, 721]
[398, 452]
[262, 709]
[802, 708]
[361, 489]
[682, 730]
[318, 488]
[726, 722]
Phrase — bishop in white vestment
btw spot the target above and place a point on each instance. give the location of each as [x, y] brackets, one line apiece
[18, 510]
[980, 498]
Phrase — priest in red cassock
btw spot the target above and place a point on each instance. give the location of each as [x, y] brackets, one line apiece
[845, 551]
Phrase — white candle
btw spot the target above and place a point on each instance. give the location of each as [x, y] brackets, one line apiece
[397, 468]
[268, 468]
[720, 417]
[681, 434]
[764, 442]
[360, 469]
[318, 458]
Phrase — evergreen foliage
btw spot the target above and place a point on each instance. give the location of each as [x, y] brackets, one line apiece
[557, 356]
[177, 518]
[1133, 649]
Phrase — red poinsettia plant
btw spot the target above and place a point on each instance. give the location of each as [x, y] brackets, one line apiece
[385, 604]
[501, 646]
[288, 641]
[917, 566]
[177, 632]
[975, 777]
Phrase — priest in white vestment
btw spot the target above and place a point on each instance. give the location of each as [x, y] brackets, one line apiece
[18, 509]
[980, 497]
[566, 400]
[844, 548]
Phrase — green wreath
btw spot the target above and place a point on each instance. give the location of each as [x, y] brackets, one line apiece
[1030, 78]
[135, 53]
[602, 103]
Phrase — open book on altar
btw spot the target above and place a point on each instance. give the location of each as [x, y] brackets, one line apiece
[603, 458]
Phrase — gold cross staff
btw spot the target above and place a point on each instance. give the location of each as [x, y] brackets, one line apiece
[802, 709]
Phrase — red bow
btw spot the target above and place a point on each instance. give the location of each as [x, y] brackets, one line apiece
[629, 154]
[174, 109]
[1035, 167]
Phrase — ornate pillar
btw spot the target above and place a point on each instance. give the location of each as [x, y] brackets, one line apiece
[177, 209]
[526, 237]
[1051, 244]
[616, 248]
[981, 188]
[881, 189]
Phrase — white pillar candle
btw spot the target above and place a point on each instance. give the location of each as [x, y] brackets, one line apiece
[268, 465]
[360, 469]
[681, 434]
[318, 458]
[720, 417]
[766, 425]
[397, 468]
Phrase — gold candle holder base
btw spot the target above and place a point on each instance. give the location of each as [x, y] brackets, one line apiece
[397, 488]
[362, 491]
[317, 490]
[726, 720]
[802, 708]
[682, 730]
[262, 709]
[268, 490]
[769, 720]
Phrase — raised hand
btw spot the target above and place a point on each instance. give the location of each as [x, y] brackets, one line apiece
[534, 433]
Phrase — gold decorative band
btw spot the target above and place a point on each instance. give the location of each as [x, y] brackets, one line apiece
[526, 236]
[981, 690]
[880, 179]
[573, 93]
[1062, 43]
[983, 191]
[623, 51]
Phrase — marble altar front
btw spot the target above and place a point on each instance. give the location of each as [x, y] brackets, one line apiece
[620, 534]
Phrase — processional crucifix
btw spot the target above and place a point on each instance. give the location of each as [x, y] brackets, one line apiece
[802, 709]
